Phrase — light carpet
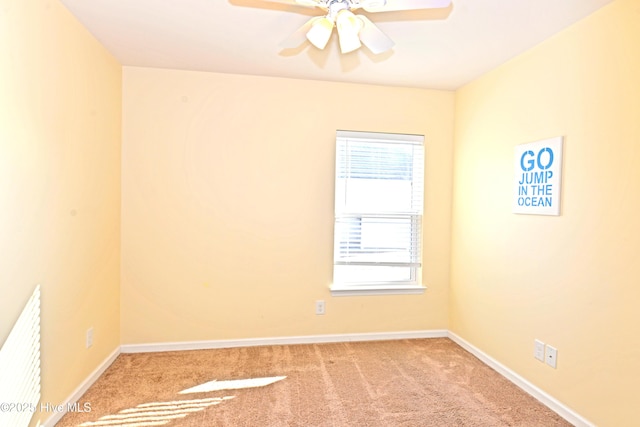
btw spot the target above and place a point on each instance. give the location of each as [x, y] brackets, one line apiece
[418, 382]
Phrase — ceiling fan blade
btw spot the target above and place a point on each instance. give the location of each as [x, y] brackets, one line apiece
[373, 37]
[393, 5]
[299, 36]
[307, 3]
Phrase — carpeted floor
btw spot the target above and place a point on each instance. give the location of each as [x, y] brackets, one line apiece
[422, 382]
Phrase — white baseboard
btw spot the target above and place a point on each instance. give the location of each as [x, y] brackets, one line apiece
[545, 398]
[82, 388]
[253, 342]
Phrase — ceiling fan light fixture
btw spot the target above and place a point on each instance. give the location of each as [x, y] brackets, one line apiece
[353, 31]
[349, 43]
[348, 26]
[320, 32]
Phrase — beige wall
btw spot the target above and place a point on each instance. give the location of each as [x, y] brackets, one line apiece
[227, 205]
[571, 280]
[60, 114]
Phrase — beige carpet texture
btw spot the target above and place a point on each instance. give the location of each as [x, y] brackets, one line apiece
[418, 382]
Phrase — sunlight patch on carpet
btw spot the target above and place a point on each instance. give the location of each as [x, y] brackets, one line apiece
[216, 385]
[155, 413]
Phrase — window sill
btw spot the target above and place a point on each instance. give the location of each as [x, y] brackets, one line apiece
[363, 290]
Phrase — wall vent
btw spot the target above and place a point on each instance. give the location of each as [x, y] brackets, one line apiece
[20, 367]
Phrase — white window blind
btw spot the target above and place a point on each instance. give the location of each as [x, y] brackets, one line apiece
[378, 208]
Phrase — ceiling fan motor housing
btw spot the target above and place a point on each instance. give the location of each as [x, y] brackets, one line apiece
[336, 6]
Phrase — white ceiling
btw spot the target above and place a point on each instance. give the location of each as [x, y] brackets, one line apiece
[436, 49]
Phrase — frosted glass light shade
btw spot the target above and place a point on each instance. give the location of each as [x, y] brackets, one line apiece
[320, 32]
[348, 28]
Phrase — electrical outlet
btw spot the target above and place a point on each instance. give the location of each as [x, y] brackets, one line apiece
[319, 307]
[89, 337]
[551, 356]
[538, 350]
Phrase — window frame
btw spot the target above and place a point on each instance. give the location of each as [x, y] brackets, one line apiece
[414, 284]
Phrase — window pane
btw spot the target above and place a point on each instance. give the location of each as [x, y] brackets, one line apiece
[379, 177]
[375, 195]
[381, 239]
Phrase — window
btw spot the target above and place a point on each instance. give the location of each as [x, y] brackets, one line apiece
[378, 213]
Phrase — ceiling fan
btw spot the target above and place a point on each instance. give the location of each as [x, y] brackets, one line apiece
[353, 30]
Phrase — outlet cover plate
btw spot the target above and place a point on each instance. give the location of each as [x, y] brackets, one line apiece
[538, 350]
[89, 337]
[551, 356]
